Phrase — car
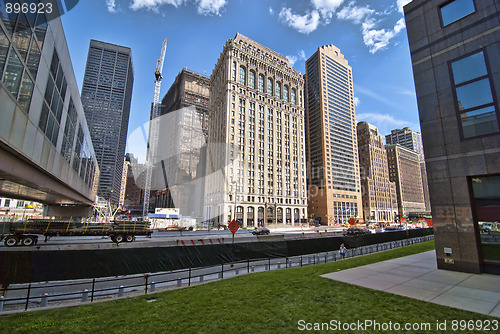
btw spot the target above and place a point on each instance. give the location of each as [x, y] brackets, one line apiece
[262, 231]
[356, 231]
[486, 227]
[392, 229]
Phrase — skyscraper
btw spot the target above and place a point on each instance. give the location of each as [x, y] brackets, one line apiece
[256, 159]
[182, 144]
[378, 192]
[106, 95]
[406, 138]
[412, 141]
[332, 146]
[454, 51]
[404, 170]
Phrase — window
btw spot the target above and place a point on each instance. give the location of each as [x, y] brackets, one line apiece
[474, 96]
[261, 83]
[455, 10]
[278, 89]
[243, 75]
[251, 79]
[269, 86]
[285, 93]
[293, 96]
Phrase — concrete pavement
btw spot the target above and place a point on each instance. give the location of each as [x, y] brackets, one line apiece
[416, 276]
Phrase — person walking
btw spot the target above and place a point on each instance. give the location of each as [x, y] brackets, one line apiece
[342, 251]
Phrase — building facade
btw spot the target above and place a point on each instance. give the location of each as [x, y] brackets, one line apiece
[332, 146]
[256, 153]
[412, 141]
[182, 145]
[404, 171]
[378, 192]
[454, 47]
[106, 95]
[46, 153]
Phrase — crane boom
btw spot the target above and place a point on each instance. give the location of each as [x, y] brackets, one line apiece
[153, 131]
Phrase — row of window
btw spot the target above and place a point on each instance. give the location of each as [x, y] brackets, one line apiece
[272, 88]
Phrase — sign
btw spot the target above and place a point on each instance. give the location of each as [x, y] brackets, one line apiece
[352, 221]
[167, 211]
[233, 226]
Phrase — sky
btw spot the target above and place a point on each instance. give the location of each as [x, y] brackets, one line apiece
[370, 34]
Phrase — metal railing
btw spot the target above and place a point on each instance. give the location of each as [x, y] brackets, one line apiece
[21, 297]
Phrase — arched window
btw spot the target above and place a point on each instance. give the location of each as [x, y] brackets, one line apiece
[243, 75]
[285, 93]
[269, 86]
[233, 72]
[278, 89]
[261, 83]
[294, 101]
[251, 78]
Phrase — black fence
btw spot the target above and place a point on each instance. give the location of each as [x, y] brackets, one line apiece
[35, 295]
[38, 265]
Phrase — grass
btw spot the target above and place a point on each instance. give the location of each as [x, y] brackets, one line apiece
[267, 302]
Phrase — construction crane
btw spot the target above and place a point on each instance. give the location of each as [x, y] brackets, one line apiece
[153, 131]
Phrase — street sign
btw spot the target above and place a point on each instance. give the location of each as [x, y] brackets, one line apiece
[233, 226]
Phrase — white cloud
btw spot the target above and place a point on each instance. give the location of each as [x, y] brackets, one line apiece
[354, 13]
[326, 7]
[271, 11]
[356, 101]
[111, 5]
[401, 4]
[379, 39]
[304, 24]
[154, 4]
[208, 7]
[301, 55]
[385, 122]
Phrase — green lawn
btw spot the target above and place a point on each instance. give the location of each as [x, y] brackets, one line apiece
[268, 302]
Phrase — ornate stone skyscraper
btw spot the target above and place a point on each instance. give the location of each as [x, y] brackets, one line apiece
[256, 159]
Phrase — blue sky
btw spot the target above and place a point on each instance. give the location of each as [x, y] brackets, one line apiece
[370, 34]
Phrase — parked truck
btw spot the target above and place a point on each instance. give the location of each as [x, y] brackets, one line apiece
[26, 233]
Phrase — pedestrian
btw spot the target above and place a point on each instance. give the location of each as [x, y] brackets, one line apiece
[342, 251]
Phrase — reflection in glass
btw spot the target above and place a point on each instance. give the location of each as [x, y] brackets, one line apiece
[22, 36]
[474, 94]
[479, 122]
[469, 68]
[293, 96]
[269, 86]
[243, 74]
[13, 74]
[9, 20]
[456, 10]
[251, 79]
[25, 92]
[278, 89]
[486, 190]
[285, 93]
[4, 49]
[261, 83]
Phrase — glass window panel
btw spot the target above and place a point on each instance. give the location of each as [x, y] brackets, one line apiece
[9, 20]
[33, 58]
[49, 90]
[293, 96]
[50, 126]
[479, 122]
[455, 10]
[4, 49]
[60, 76]
[31, 13]
[269, 86]
[278, 89]
[486, 190]
[22, 36]
[469, 68]
[25, 92]
[474, 94]
[54, 64]
[261, 83]
[251, 79]
[55, 134]
[44, 115]
[13, 74]
[285, 93]
[243, 75]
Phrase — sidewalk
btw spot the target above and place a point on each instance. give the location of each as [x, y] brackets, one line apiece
[416, 276]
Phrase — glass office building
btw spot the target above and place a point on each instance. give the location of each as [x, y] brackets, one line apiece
[106, 96]
[46, 153]
[332, 145]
